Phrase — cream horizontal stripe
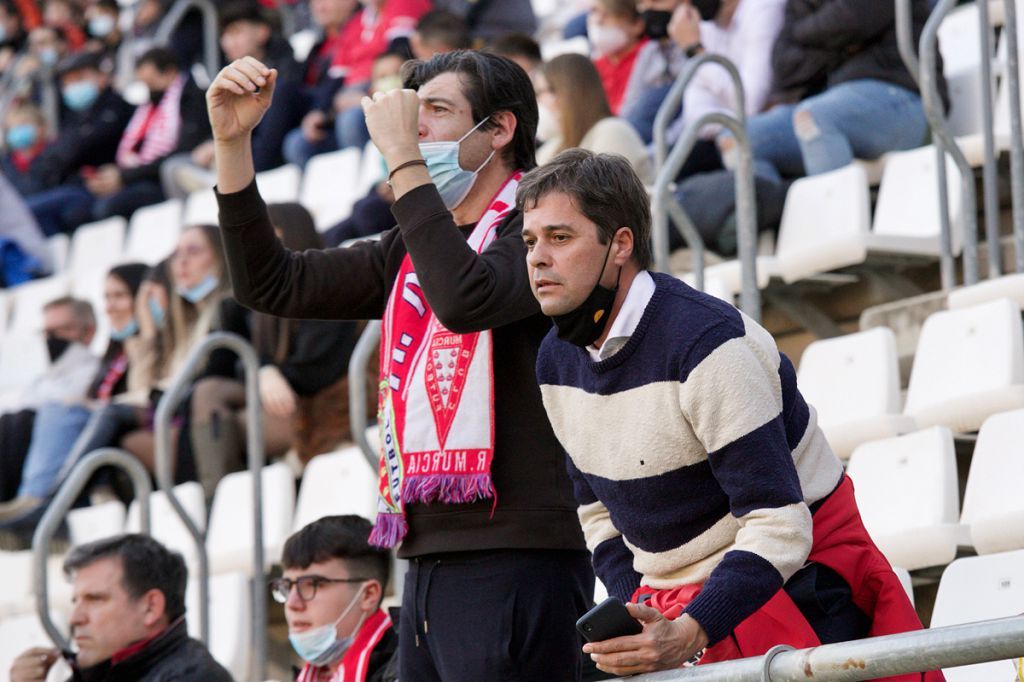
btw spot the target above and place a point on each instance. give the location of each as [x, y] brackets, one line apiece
[597, 524]
[624, 436]
[763, 341]
[782, 536]
[731, 393]
[816, 465]
[682, 560]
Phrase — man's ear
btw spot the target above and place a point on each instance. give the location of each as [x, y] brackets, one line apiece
[155, 604]
[504, 129]
[623, 240]
[373, 594]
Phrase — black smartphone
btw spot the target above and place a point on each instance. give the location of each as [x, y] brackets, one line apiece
[607, 620]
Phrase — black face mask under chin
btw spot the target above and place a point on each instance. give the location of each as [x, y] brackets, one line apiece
[584, 325]
[656, 23]
[56, 347]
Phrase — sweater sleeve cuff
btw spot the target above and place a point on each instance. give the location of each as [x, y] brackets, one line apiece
[240, 208]
[418, 206]
[716, 614]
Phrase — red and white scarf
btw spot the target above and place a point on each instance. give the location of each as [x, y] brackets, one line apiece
[355, 664]
[153, 130]
[436, 401]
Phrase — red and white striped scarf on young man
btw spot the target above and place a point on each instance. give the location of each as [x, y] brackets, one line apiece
[153, 130]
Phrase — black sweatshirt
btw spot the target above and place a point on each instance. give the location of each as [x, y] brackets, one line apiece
[468, 292]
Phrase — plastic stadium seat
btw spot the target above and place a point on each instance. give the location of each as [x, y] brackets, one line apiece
[18, 596]
[23, 632]
[906, 489]
[714, 286]
[230, 539]
[230, 620]
[280, 184]
[960, 41]
[853, 382]
[969, 365]
[330, 186]
[993, 503]
[87, 524]
[907, 211]
[97, 246]
[200, 208]
[904, 576]
[980, 588]
[5, 304]
[29, 299]
[371, 170]
[60, 248]
[165, 525]
[153, 232]
[23, 359]
[824, 223]
[336, 483]
[1007, 286]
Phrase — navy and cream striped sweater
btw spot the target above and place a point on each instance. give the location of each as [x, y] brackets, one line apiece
[694, 458]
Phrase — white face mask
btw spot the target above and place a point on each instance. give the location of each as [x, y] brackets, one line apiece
[321, 646]
[548, 127]
[606, 40]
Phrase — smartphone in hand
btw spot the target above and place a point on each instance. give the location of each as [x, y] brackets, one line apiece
[608, 620]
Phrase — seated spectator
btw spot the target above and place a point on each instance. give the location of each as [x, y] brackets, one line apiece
[26, 137]
[93, 120]
[103, 26]
[577, 115]
[488, 21]
[331, 588]
[186, 40]
[26, 253]
[303, 381]
[47, 45]
[844, 92]
[245, 30]
[173, 120]
[67, 16]
[128, 618]
[520, 48]
[616, 34]
[13, 33]
[59, 424]
[437, 32]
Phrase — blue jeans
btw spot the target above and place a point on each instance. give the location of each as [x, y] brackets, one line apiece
[62, 209]
[55, 431]
[857, 119]
[644, 109]
[298, 150]
[350, 129]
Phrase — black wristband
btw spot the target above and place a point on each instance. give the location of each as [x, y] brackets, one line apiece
[693, 50]
[410, 162]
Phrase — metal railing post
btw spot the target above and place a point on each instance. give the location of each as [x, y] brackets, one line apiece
[211, 46]
[172, 397]
[357, 398]
[664, 203]
[72, 487]
[990, 178]
[1016, 137]
[868, 659]
[933, 109]
[675, 97]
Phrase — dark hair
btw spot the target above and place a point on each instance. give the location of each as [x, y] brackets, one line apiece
[338, 537]
[440, 26]
[298, 231]
[80, 308]
[574, 80]
[491, 84]
[108, 4]
[242, 10]
[131, 274]
[146, 565]
[162, 59]
[603, 187]
[513, 45]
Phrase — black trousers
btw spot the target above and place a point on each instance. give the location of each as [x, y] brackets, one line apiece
[494, 615]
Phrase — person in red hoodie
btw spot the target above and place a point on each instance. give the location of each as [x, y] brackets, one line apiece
[616, 34]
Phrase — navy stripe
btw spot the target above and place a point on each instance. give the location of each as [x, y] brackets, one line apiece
[738, 586]
[613, 564]
[797, 416]
[678, 506]
[757, 470]
[580, 487]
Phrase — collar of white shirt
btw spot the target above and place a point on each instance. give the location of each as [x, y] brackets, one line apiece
[633, 306]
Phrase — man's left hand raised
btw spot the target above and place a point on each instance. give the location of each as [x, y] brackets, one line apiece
[663, 645]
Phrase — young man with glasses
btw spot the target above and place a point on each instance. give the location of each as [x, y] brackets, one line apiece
[332, 586]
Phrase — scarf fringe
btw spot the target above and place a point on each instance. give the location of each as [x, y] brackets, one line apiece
[388, 530]
[448, 489]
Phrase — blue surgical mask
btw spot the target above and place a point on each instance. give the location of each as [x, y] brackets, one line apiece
[156, 311]
[101, 25]
[22, 136]
[48, 56]
[452, 180]
[80, 96]
[199, 291]
[130, 329]
[321, 646]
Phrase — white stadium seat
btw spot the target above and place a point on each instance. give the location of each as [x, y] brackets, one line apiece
[200, 208]
[1008, 286]
[980, 588]
[19, 633]
[60, 249]
[167, 527]
[853, 382]
[153, 232]
[230, 620]
[906, 489]
[279, 184]
[330, 186]
[96, 522]
[336, 483]
[97, 246]
[23, 359]
[29, 299]
[969, 365]
[994, 500]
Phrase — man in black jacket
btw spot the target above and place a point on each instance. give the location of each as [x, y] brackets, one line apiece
[485, 515]
[171, 121]
[128, 618]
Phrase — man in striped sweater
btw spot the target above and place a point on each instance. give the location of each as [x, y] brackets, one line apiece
[706, 490]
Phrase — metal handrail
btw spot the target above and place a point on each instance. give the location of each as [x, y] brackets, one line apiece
[663, 203]
[868, 659]
[165, 409]
[211, 45]
[990, 178]
[1016, 135]
[357, 398]
[65, 498]
[933, 109]
[675, 96]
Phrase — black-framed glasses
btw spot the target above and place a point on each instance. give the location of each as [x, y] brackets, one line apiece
[307, 586]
